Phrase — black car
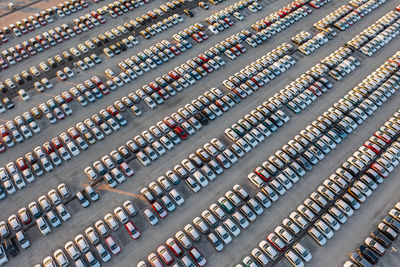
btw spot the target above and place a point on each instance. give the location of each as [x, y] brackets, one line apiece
[11, 247]
[388, 231]
[188, 12]
[392, 223]
[381, 238]
[368, 254]
[201, 118]
[359, 260]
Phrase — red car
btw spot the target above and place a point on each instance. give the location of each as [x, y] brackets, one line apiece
[132, 230]
[315, 90]
[113, 245]
[64, 35]
[174, 75]
[219, 103]
[383, 136]
[104, 89]
[164, 255]
[23, 53]
[240, 93]
[48, 147]
[282, 13]
[175, 50]
[197, 38]
[164, 95]
[241, 48]
[77, 30]
[198, 257]
[101, 19]
[202, 35]
[42, 21]
[263, 174]
[276, 241]
[235, 51]
[373, 147]
[89, 24]
[159, 209]
[174, 247]
[229, 21]
[112, 110]
[67, 97]
[379, 169]
[257, 80]
[21, 164]
[44, 44]
[207, 67]
[168, 120]
[181, 133]
[31, 50]
[29, 26]
[84, 4]
[96, 80]
[204, 58]
[3, 131]
[56, 142]
[73, 133]
[155, 86]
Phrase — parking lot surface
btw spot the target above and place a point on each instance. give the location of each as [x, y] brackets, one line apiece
[71, 172]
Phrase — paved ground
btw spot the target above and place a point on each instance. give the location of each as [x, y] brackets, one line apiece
[352, 233]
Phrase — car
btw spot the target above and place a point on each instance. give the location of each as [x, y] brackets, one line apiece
[153, 220]
[82, 244]
[293, 258]
[129, 208]
[302, 251]
[183, 240]
[375, 246]
[197, 257]
[164, 254]
[113, 245]
[276, 241]
[174, 247]
[132, 230]
[367, 253]
[121, 215]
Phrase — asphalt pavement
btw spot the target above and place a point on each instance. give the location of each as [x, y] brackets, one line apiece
[71, 173]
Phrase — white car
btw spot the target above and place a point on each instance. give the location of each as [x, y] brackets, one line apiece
[82, 243]
[22, 240]
[153, 220]
[22, 93]
[110, 220]
[129, 208]
[72, 250]
[232, 227]
[43, 226]
[92, 235]
[14, 222]
[104, 254]
[61, 258]
[302, 251]
[223, 234]
[121, 215]
[53, 219]
[63, 212]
